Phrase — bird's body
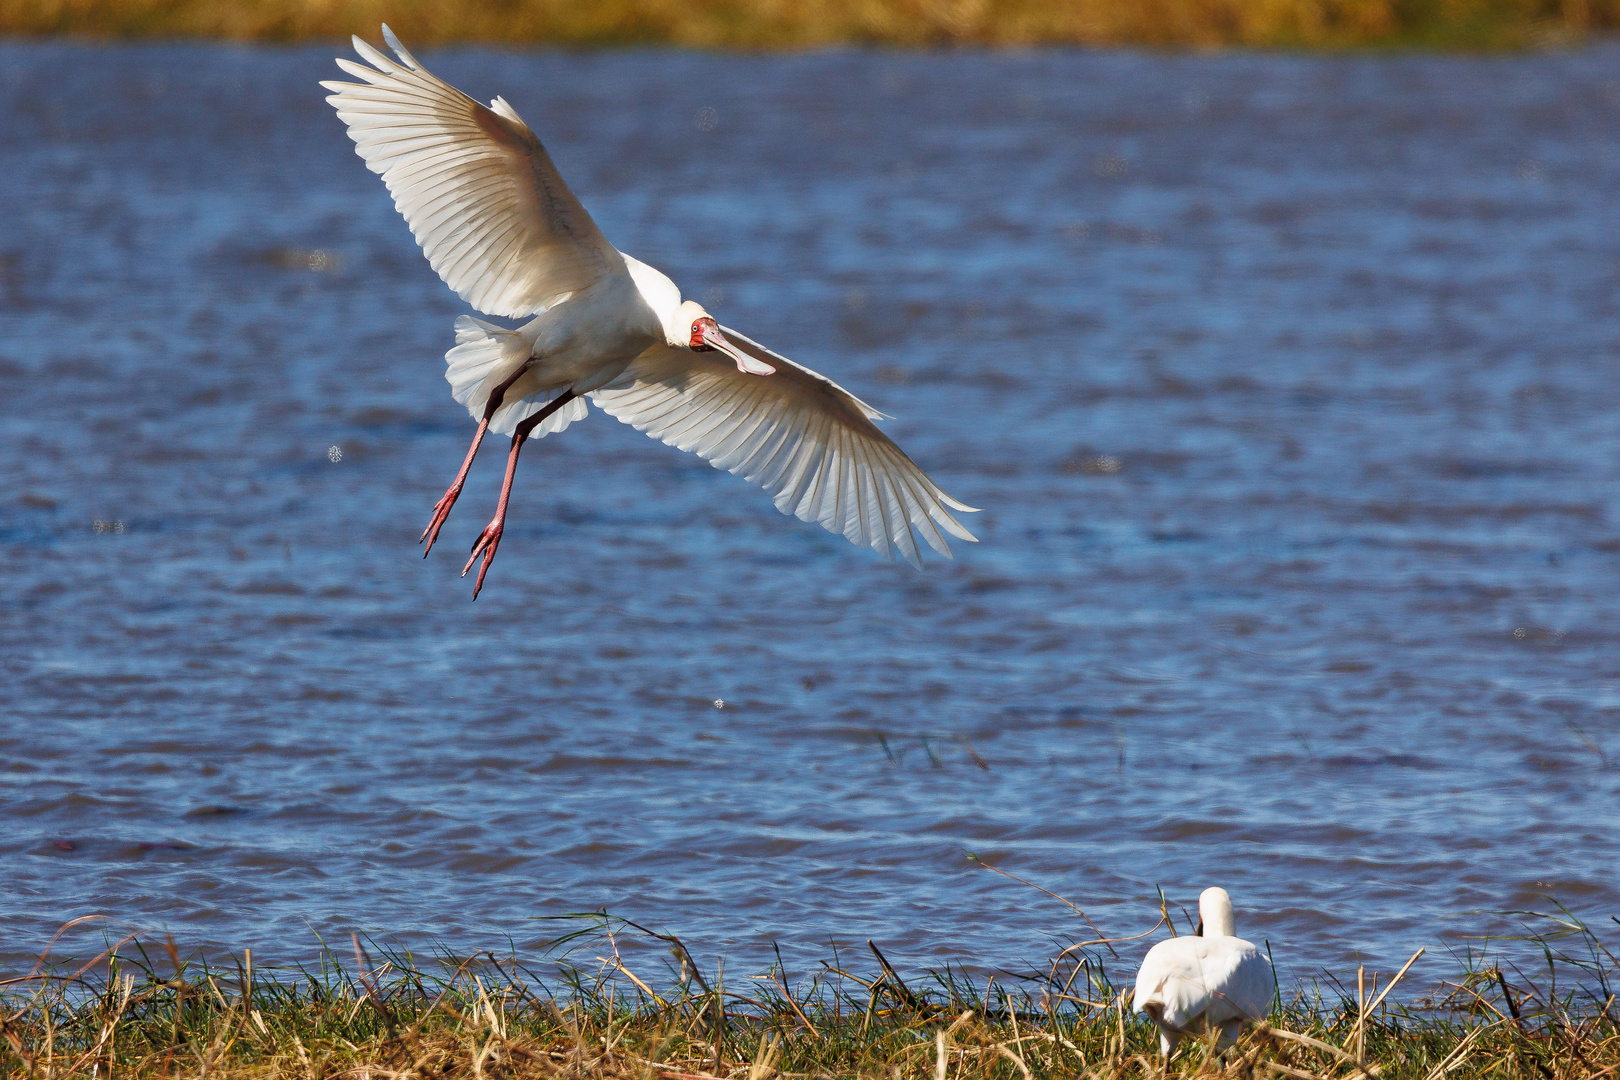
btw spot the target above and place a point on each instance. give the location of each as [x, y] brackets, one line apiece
[584, 343]
[500, 226]
[1213, 980]
[592, 337]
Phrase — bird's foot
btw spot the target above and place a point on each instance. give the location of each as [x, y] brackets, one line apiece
[487, 542]
[441, 514]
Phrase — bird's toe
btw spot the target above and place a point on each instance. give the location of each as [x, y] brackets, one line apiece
[441, 514]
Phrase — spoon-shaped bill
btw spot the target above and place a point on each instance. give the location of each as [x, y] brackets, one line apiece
[748, 365]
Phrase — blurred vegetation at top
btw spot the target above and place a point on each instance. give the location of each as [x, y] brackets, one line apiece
[791, 24]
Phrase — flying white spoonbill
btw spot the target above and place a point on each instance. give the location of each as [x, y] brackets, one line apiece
[1214, 979]
[496, 221]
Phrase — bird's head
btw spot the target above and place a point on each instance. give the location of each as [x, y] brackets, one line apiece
[1215, 914]
[703, 334]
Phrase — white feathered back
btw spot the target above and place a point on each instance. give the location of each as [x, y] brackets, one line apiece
[1191, 984]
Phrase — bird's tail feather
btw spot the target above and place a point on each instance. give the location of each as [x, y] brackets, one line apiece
[485, 356]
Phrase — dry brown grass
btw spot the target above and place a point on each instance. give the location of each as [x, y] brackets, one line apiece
[141, 1014]
[781, 24]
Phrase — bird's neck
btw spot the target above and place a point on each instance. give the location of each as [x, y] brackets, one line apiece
[1219, 923]
[660, 295]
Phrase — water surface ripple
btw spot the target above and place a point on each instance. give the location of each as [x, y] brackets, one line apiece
[1288, 386]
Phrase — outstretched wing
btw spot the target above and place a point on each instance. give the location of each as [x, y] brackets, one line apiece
[476, 187]
[803, 438]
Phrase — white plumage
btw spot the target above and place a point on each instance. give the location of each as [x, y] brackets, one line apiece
[1213, 980]
[481, 196]
[500, 226]
[803, 438]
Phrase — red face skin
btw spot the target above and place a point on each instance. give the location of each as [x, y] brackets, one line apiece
[707, 337]
[698, 327]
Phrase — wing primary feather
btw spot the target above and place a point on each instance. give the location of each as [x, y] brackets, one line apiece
[820, 485]
[861, 487]
[863, 500]
[399, 49]
[894, 511]
[374, 56]
[877, 513]
[903, 536]
[807, 466]
[924, 522]
[840, 485]
[877, 519]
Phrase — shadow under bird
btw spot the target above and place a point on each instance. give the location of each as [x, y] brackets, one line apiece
[1212, 980]
[500, 226]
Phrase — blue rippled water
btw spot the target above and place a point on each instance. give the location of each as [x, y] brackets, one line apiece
[1288, 386]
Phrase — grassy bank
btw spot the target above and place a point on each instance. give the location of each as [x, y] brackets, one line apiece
[774, 24]
[141, 1011]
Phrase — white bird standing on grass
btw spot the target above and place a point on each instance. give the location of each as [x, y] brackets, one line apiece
[501, 228]
[1214, 979]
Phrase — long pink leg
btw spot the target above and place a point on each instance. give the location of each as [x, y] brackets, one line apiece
[490, 539]
[441, 510]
